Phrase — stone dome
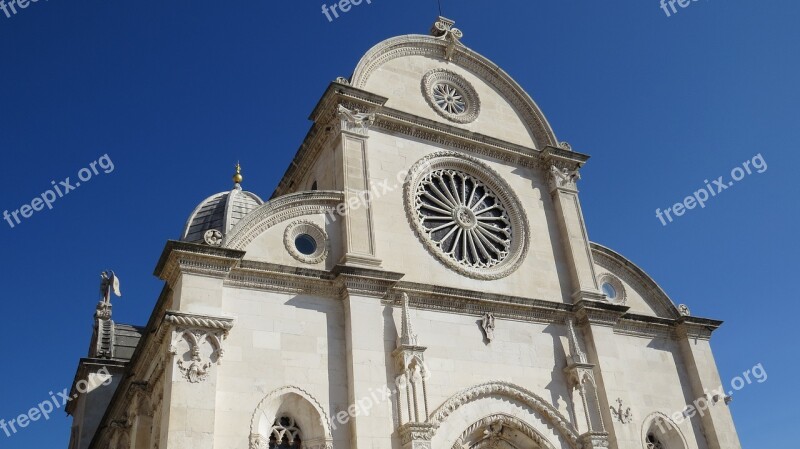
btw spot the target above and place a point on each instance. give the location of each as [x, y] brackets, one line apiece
[219, 212]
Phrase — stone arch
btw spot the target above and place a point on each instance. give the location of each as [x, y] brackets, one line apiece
[665, 430]
[509, 391]
[301, 406]
[493, 429]
[278, 210]
[429, 46]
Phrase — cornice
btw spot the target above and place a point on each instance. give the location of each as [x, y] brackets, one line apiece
[599, 313]
[282, 279]
[696, 328]
[364, 281]
[469, 302]
[193, 258]
[398, 122]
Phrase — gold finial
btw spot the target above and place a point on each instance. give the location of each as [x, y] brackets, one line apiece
[237, 178]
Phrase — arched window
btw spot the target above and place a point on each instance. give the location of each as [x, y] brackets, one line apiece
[314, 185]
[285, 434]
[653, 442]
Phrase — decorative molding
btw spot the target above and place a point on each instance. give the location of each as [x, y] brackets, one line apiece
[319, 235]
[594, 440]
[451, 96]
[278, 210]
[547, 411]
[519, 229]
[491, 428]
[475, 303]
[622, 295]
[195, 321]
[324, 421]
[635, 277]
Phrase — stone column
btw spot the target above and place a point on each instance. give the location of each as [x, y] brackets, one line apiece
[352, 162]
[694, 338]
[562, 168]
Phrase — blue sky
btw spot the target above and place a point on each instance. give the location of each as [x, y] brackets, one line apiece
[176, 92]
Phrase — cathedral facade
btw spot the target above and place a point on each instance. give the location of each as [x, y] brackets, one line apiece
[421, 278]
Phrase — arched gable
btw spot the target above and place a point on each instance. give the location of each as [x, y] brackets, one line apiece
[507, 390]
[278, 210]
[640, 292]
[395, 67]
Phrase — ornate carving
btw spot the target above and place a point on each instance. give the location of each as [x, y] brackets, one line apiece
[620, 296]
[492, 429]
[563, 178]
[443, 29]
[487, 323]
[548, 412]
[196, 370]
[324, 421]
[279, 210]
[342, 80]
[195, 330]
[213, 237]
[451, 96]
[445, 170]
[684, 310]
[354, 121]
[621, 414]
[311, 229]
[565, 146]
[198, 321]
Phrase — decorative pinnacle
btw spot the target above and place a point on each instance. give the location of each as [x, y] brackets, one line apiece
[407, 336]
[237, 178]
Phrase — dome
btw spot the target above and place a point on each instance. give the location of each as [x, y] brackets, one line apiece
[220, 213]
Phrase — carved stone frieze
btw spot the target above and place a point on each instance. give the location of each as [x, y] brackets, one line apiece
[197, 330]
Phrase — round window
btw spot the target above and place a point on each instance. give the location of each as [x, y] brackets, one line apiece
[612, 288]
[305, 244]
[466, 215]
[451, 96]
[609, 291]
[306, 241]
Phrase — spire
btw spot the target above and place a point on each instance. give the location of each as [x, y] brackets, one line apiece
[237, 178]
[407, 336]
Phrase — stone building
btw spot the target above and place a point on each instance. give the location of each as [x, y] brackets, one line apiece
[421, 278]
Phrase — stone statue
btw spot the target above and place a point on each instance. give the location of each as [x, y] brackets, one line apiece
[487, 323]
[109, 283]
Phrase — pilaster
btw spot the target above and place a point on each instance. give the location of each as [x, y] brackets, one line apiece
[352, 130]
[562, 166]
[694, 336]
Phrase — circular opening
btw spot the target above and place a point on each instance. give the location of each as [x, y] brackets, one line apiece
[305, 244]
[609, 291]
